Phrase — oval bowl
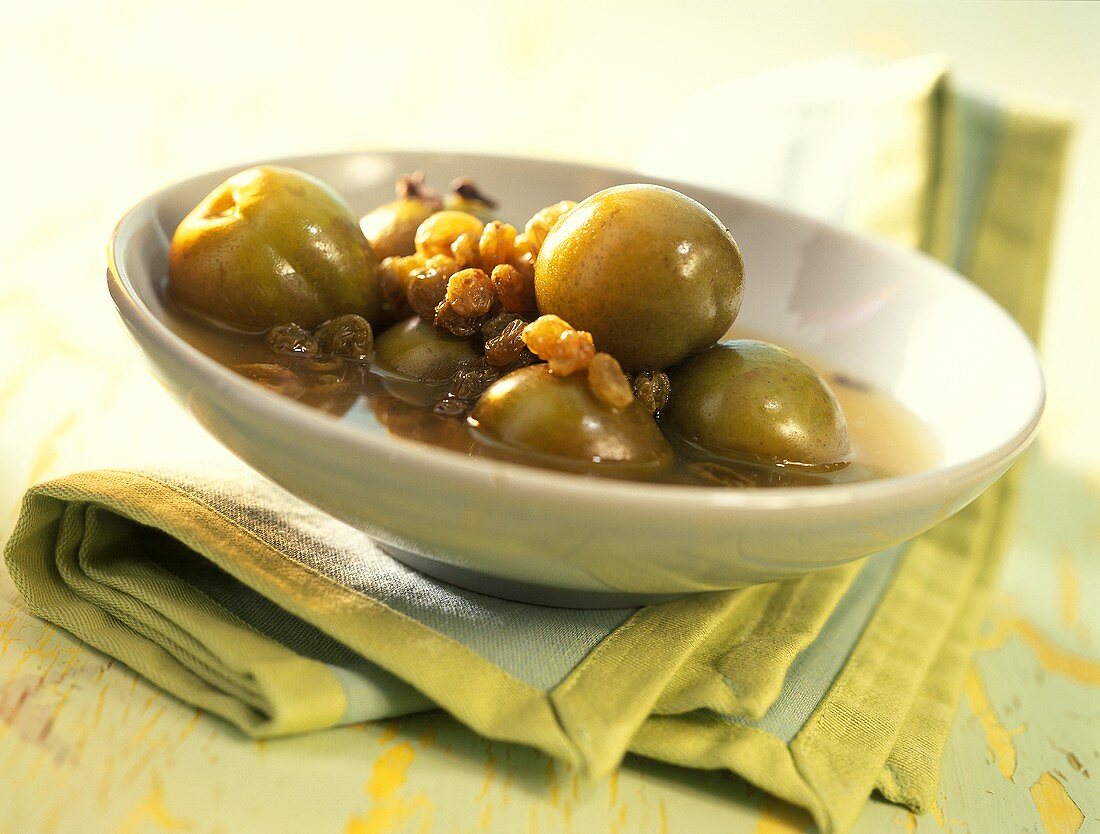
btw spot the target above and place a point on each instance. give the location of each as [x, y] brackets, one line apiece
[899, 320]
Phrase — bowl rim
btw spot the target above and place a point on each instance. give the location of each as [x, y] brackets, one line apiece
[456, 466]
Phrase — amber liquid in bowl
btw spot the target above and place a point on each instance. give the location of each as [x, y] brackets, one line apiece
[887, 439]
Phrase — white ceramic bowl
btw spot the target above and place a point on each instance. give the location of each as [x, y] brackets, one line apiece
[899, 320]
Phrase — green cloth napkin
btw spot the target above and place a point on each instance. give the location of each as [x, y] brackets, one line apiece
[240, 599]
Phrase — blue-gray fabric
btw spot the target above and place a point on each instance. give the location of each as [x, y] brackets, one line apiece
[817, 666]
[537, 644]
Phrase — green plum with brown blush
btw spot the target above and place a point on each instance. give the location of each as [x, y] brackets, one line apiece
[752, 400]
[649, 272]
[272, 245]
[537, 416]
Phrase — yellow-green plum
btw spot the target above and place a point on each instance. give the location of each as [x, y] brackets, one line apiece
[391, 228]
[272, 245]
[417, 361]
[649, 272]
[752, 400]
[555, 420]
[416, 350]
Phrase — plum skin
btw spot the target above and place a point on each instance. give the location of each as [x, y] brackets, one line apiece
[269, 246]
[650, 273]
[752, 400]
[557, 420]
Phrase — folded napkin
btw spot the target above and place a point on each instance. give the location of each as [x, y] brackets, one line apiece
[240, 599]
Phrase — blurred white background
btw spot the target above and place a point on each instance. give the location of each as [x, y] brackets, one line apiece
[106, 101]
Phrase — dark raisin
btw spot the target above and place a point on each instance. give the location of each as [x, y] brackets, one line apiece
[472, 378]
[349, 336]
[494, 326]
[508, 346]
[427, 289]
[291, 340]
[448, 320]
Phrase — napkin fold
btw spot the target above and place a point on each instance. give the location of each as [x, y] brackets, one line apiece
[238, 598]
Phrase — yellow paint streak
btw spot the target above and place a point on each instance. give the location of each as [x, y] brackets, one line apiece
[392, 815]
[486, 818]
[390, 771]
[388, 734]
[151, 810]
[189, 727]
[937, 812]
[997, 736]
[552, 782]
[52, 820]
[389, 812]
[148, 726]
[106, 782]
[490, 772]
[779, 817]
[1057, 811]
[97, 714]
[613, 787]
[910, 823]
[1068, 588]
[662, 817]
[1052, 658]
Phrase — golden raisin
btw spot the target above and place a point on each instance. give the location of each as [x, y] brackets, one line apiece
[554, 340]
[443, 263]
[496, 244]
[538, 227]
[394, 275]
[607, 381]
[515, 290]
[526, 265]
[470, 293]
[436, 234]
[541, 334]
[522, 246]
[573, 352]
[464, 250]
